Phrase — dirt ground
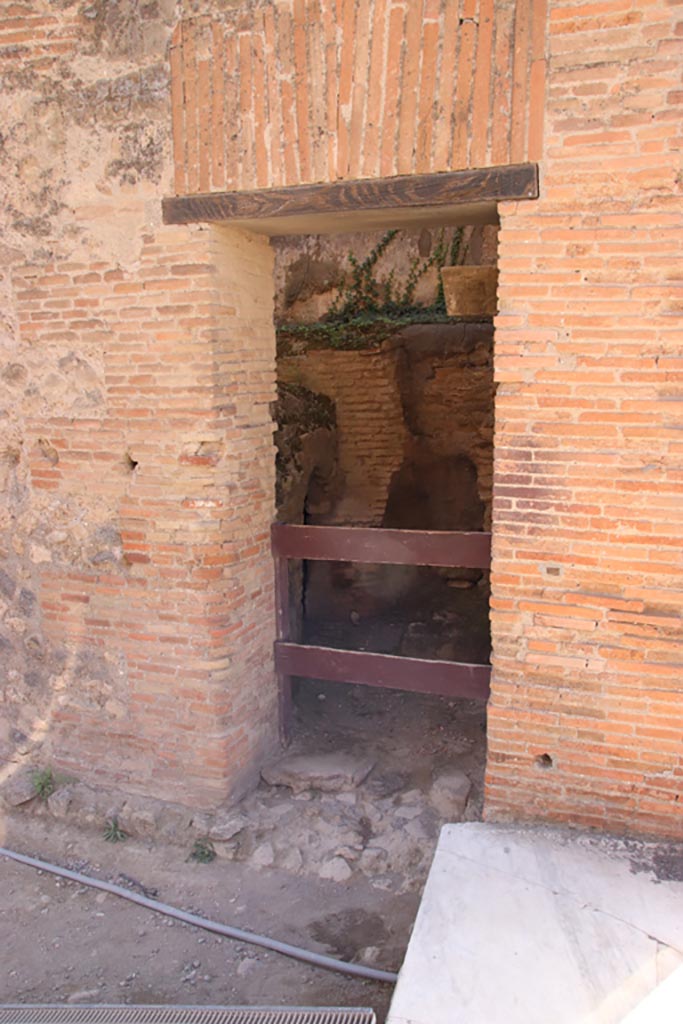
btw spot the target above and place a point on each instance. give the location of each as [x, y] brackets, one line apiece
[67, 943]
[64, 942]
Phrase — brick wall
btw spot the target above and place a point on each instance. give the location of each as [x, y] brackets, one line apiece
[344, 89]
[432, 386]
[33, 34]
[83, 102]
[371, 431]
[454, 404]
[181, 455]
[136, 608]
[586, 608]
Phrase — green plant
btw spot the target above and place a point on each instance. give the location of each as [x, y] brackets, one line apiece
[368, 308]
[203, 851]
[364, 293]
[44, 783]
[369, 295]
[113, 833]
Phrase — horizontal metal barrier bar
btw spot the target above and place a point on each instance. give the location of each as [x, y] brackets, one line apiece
[417, 675]
[389, 547]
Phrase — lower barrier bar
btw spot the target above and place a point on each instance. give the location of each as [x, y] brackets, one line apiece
[417, 675]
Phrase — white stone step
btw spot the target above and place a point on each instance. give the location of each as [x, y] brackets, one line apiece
[540, 926]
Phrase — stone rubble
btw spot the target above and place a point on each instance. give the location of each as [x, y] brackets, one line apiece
[389, 837]
[19, 789]
[362, 793]
[449, 794]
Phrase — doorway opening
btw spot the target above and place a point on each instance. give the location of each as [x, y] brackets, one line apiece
[385, 421]
[414, 759]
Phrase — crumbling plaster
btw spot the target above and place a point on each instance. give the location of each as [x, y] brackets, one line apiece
[85, 155]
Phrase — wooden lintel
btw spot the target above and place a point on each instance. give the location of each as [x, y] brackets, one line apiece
[486, 185]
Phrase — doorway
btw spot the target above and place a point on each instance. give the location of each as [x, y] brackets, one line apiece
[424, 206]
[385, 437]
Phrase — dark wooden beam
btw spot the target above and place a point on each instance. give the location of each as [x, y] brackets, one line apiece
[387, 547]
[489, 184]
[417, 675]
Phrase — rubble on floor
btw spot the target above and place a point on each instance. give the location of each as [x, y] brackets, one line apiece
[369, 780]
[400, 765]
[328, 773]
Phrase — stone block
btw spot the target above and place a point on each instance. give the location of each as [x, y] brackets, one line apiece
[330, 773]
[18, 789]
[336, 870]
[449, 794]
[227, 825]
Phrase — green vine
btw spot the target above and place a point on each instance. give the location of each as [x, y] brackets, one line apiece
[369, 309]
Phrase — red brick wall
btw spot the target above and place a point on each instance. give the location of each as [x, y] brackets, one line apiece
[588, 507]
[342, 89]
[32, 33]
[186, 611]
[177, 371]
[371, 430]
[456, 411]
[451, 407]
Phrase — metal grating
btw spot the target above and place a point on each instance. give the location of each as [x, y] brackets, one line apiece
[110, 1014]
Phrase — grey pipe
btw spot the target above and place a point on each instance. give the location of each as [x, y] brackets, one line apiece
[317, 959]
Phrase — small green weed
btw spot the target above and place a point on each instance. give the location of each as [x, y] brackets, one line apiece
[369, 309]
[113, 833]
[44, 783]
[203, 851]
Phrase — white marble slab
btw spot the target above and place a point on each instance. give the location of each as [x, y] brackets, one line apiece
[538, 926]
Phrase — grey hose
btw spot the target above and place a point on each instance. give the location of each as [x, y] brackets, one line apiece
[317, 959]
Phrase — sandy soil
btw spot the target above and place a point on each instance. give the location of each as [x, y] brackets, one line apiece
[64, 942]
